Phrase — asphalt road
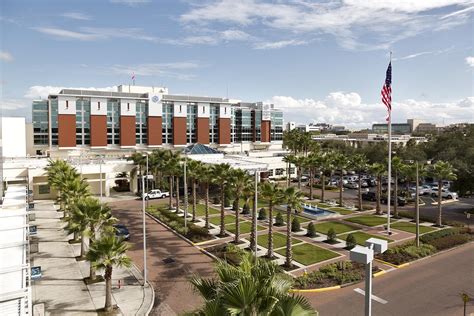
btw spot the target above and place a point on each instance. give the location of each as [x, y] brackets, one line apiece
[430, 287]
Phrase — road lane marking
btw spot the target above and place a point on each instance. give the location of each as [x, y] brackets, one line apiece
[375, 298]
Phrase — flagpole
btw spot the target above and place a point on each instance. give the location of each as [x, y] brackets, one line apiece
[389, 164]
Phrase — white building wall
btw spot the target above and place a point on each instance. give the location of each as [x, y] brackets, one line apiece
[13, 137]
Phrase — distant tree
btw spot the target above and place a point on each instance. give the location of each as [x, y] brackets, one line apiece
[331, 234]
[351, 241]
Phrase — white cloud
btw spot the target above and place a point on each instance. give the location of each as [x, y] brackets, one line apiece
[5, 56]
[278, 44]
[131, 2]
[76, 16]
[235, 35]
[350, 21]
[42, 92]
[13, 104]
[177, 70]
[348, 109]
[95, 33]
[470, 61]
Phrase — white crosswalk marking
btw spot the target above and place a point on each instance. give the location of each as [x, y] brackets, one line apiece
[375, 298]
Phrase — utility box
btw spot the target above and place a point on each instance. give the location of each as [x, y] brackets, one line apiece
[378, 245]
[361, 254]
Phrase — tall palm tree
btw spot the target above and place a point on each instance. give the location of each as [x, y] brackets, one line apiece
[239, 180]
[378, 170]
[56, 171]
[397, 167]
[249, 289]
[299, 163]
[139, 160]
[326, 167]
[221, 178]
[108, 252]
[171, 167]
[442, 170]
[410, 173]
[340, 163]
[272, 194]
[157, 162]
[360, 164]
[206, 177]
[289, 159]
[73, 189]
[293, 199]
[193, 173]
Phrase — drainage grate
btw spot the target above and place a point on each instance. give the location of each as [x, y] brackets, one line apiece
[168, 260]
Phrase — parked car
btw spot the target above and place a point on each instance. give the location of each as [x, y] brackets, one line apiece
[445, 193]
[122, 231]
[156, 194]
[401, 200]
[351, 185]
[369, 196]
[364, 184]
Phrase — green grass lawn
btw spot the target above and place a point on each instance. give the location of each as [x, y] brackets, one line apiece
[341, 210]
[339, 228]
[369, 220]
[201, 210]
[410, 227]
[309, 254]
[245, 227]
[260, 203]
[216, 220]
[361, 237]
[279, 240]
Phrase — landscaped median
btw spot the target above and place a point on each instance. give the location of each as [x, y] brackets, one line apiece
[431, 243]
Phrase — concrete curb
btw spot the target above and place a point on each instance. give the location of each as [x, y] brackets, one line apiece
[377, 274]
[394, 265]
[323, 289]
[137, 274]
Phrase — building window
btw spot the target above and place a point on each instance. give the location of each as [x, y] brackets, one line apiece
[128, 106]
[191, 117]
[40, 122]
[67, 104]
[167, 123]
[83, 121]
[243, 122]
[98, 106]
[180, 109]
[44, 189]
[214, 124]
[113, 122]
[141, 123]
[279, 171]
[276, 125]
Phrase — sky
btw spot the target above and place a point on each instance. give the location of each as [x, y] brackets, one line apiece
[318, 61]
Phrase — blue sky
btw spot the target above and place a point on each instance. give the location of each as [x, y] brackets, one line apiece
[316, 60]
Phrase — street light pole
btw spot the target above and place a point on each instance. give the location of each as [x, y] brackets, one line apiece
[254, 219]
[144, 234]
[100, 175]
[185, 196]
[417, 207]
[368, 286]
[146, 201]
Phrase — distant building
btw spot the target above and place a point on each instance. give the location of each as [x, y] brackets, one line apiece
[411, 126]
[362, 139]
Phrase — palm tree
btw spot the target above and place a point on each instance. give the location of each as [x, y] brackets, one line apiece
[193, 173]
[171, 167]
[139, 161]
[249, 289]
[105, 253]
[299, 163]
[221, 177]
[73, 189]
[442, 170]
[340, 163]
[326, 167]
[289, 159]
[378, 170]
[56, 171]
[206, 177]
[272, 194]
[157, 163]
[397, 167]
[293, 199]
[239, 180]
[411, 174]
[360, 164]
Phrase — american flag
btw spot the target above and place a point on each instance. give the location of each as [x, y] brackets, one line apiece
[133, 76]
[387, 90]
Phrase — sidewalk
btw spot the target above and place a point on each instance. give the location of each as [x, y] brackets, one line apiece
[61, 289]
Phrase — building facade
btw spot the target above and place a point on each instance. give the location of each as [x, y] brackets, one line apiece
[148, 117]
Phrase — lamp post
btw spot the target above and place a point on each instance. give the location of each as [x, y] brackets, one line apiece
[146, 201]
[144, 233]
[185, 195]
[254, 217]
[417, 206]
[365, 255]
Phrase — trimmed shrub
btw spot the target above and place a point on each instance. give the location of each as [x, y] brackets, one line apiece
[279, 221]
[262, 214]
[295, 225]
[311, 230]
[406, 253]
[429, 237]
[246, 209]
[331, 235]
[350, 241]
[450, 241]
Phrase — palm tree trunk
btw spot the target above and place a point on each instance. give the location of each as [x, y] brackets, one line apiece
[310, 183]
[222, 230]
[359, 193]
[207, 206]
[417, 210]
[299, 178]
[91, 240]
[170, 202]
[395, 197]
[340, 190]
[270, 230]
[108, 289]
[440, 210]
[289, 253]
[83, 245]
[288, 174]
[323, 186]
[377, 196]
[237, 220]
[194, 200]
[177, 193]
[253, 238]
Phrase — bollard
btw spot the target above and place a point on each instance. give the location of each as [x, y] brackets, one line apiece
[119, 284]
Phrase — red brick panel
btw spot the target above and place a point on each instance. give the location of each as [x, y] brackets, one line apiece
[98, 130]
[202, 130]
[265, 131]
[66, 130]
[179, 130]
[154, 130]
[224, 131]
[127, 131]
